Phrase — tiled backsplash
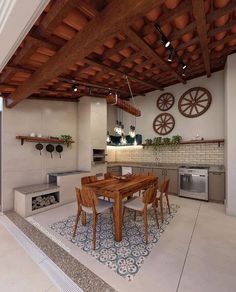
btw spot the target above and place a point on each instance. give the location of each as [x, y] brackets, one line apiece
[187, 153]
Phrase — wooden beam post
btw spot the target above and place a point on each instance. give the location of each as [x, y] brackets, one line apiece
[199, 15]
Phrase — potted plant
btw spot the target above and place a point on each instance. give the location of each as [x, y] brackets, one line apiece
[67, 140]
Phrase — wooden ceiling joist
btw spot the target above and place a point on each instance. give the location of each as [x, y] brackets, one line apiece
[55, 16]
[199, 15]
[96, 32]
[150, 52]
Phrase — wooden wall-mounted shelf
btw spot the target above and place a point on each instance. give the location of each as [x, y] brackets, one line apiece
[218, 141]
[40, 140]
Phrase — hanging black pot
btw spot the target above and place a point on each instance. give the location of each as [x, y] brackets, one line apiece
[59, 149]
[39, 147]
[50, 148]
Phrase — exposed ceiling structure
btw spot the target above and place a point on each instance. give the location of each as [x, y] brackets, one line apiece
[94, 44]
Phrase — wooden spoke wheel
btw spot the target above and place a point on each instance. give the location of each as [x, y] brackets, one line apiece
[163, 124]
[194, 102]
[165, 101]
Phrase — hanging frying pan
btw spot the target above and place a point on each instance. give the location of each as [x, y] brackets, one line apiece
[50, 148]
[39, 147]
[59, 149]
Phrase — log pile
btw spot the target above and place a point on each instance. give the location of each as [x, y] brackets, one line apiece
[43, 201]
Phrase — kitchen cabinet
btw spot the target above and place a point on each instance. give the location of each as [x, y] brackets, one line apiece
[116, 170]
[172, 174]
[217, 187]
[136, 170]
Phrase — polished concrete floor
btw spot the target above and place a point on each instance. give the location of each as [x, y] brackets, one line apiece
[195, 254]
[18, 272]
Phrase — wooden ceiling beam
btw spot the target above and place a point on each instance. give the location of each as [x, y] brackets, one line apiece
[225, 27]
[116, 71]
[93, 85]
[55, 16]
[116, 49]
[150, 52]
[199, 15]
[102, 27]
[167, 17]
[217, 13]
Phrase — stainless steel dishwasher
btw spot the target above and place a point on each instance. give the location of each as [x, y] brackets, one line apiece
[193, 182]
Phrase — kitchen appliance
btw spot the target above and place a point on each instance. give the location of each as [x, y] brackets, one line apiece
[193, 182]
[126, 170]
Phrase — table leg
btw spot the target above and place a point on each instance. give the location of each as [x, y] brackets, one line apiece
[118, 217]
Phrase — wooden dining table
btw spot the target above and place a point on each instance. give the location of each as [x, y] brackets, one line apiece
[117, 190]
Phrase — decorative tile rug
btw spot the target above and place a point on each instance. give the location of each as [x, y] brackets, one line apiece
[125, 257]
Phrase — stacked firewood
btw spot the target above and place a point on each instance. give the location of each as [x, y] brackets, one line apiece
[43, 201]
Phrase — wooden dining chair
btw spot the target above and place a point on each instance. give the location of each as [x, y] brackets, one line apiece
[85, 180]
[161, 193]
[88, 203]
[108, 175]
[143, 205]
[148, 173]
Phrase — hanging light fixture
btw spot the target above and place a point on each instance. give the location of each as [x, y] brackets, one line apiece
[116, 128]
[132, 131]
[108, 137]
[123, 140]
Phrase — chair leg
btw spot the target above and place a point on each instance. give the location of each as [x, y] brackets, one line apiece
[84, 221]
[145, 225]
[76, 222]
[161, 205]
[123, 213]
[156, 217]
[94, 230]
[168, 204]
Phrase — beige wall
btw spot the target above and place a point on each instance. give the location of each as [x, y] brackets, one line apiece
[210, 125]
[230, 117]
[22, 165]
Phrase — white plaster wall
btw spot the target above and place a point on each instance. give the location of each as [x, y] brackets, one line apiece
[92, 121]
[22, 165]
[210, 125]
[230, 118]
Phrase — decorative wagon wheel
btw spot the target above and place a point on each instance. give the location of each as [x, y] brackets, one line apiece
[194, 102]
[165, 101]
[163, 124]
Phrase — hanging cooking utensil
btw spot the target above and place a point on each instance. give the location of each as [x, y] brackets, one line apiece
[59, 149]
[50, 148]
[39, 147]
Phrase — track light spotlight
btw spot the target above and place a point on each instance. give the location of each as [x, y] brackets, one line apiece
[75, 88]
[171, 55]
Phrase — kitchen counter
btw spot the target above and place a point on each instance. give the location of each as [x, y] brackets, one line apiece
[212, 168]
[64, 173]
[37, 188]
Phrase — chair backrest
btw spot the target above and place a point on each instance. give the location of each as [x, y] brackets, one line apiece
[86, 198]
[149, 195]
[93, 178]
[88, 179]
[85, 180]
[164, 186]
[107, 175]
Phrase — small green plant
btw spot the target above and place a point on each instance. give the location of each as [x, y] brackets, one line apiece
[156, 142]
[67, 140]
[166, 141]
[175, 141]
[148, 142]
